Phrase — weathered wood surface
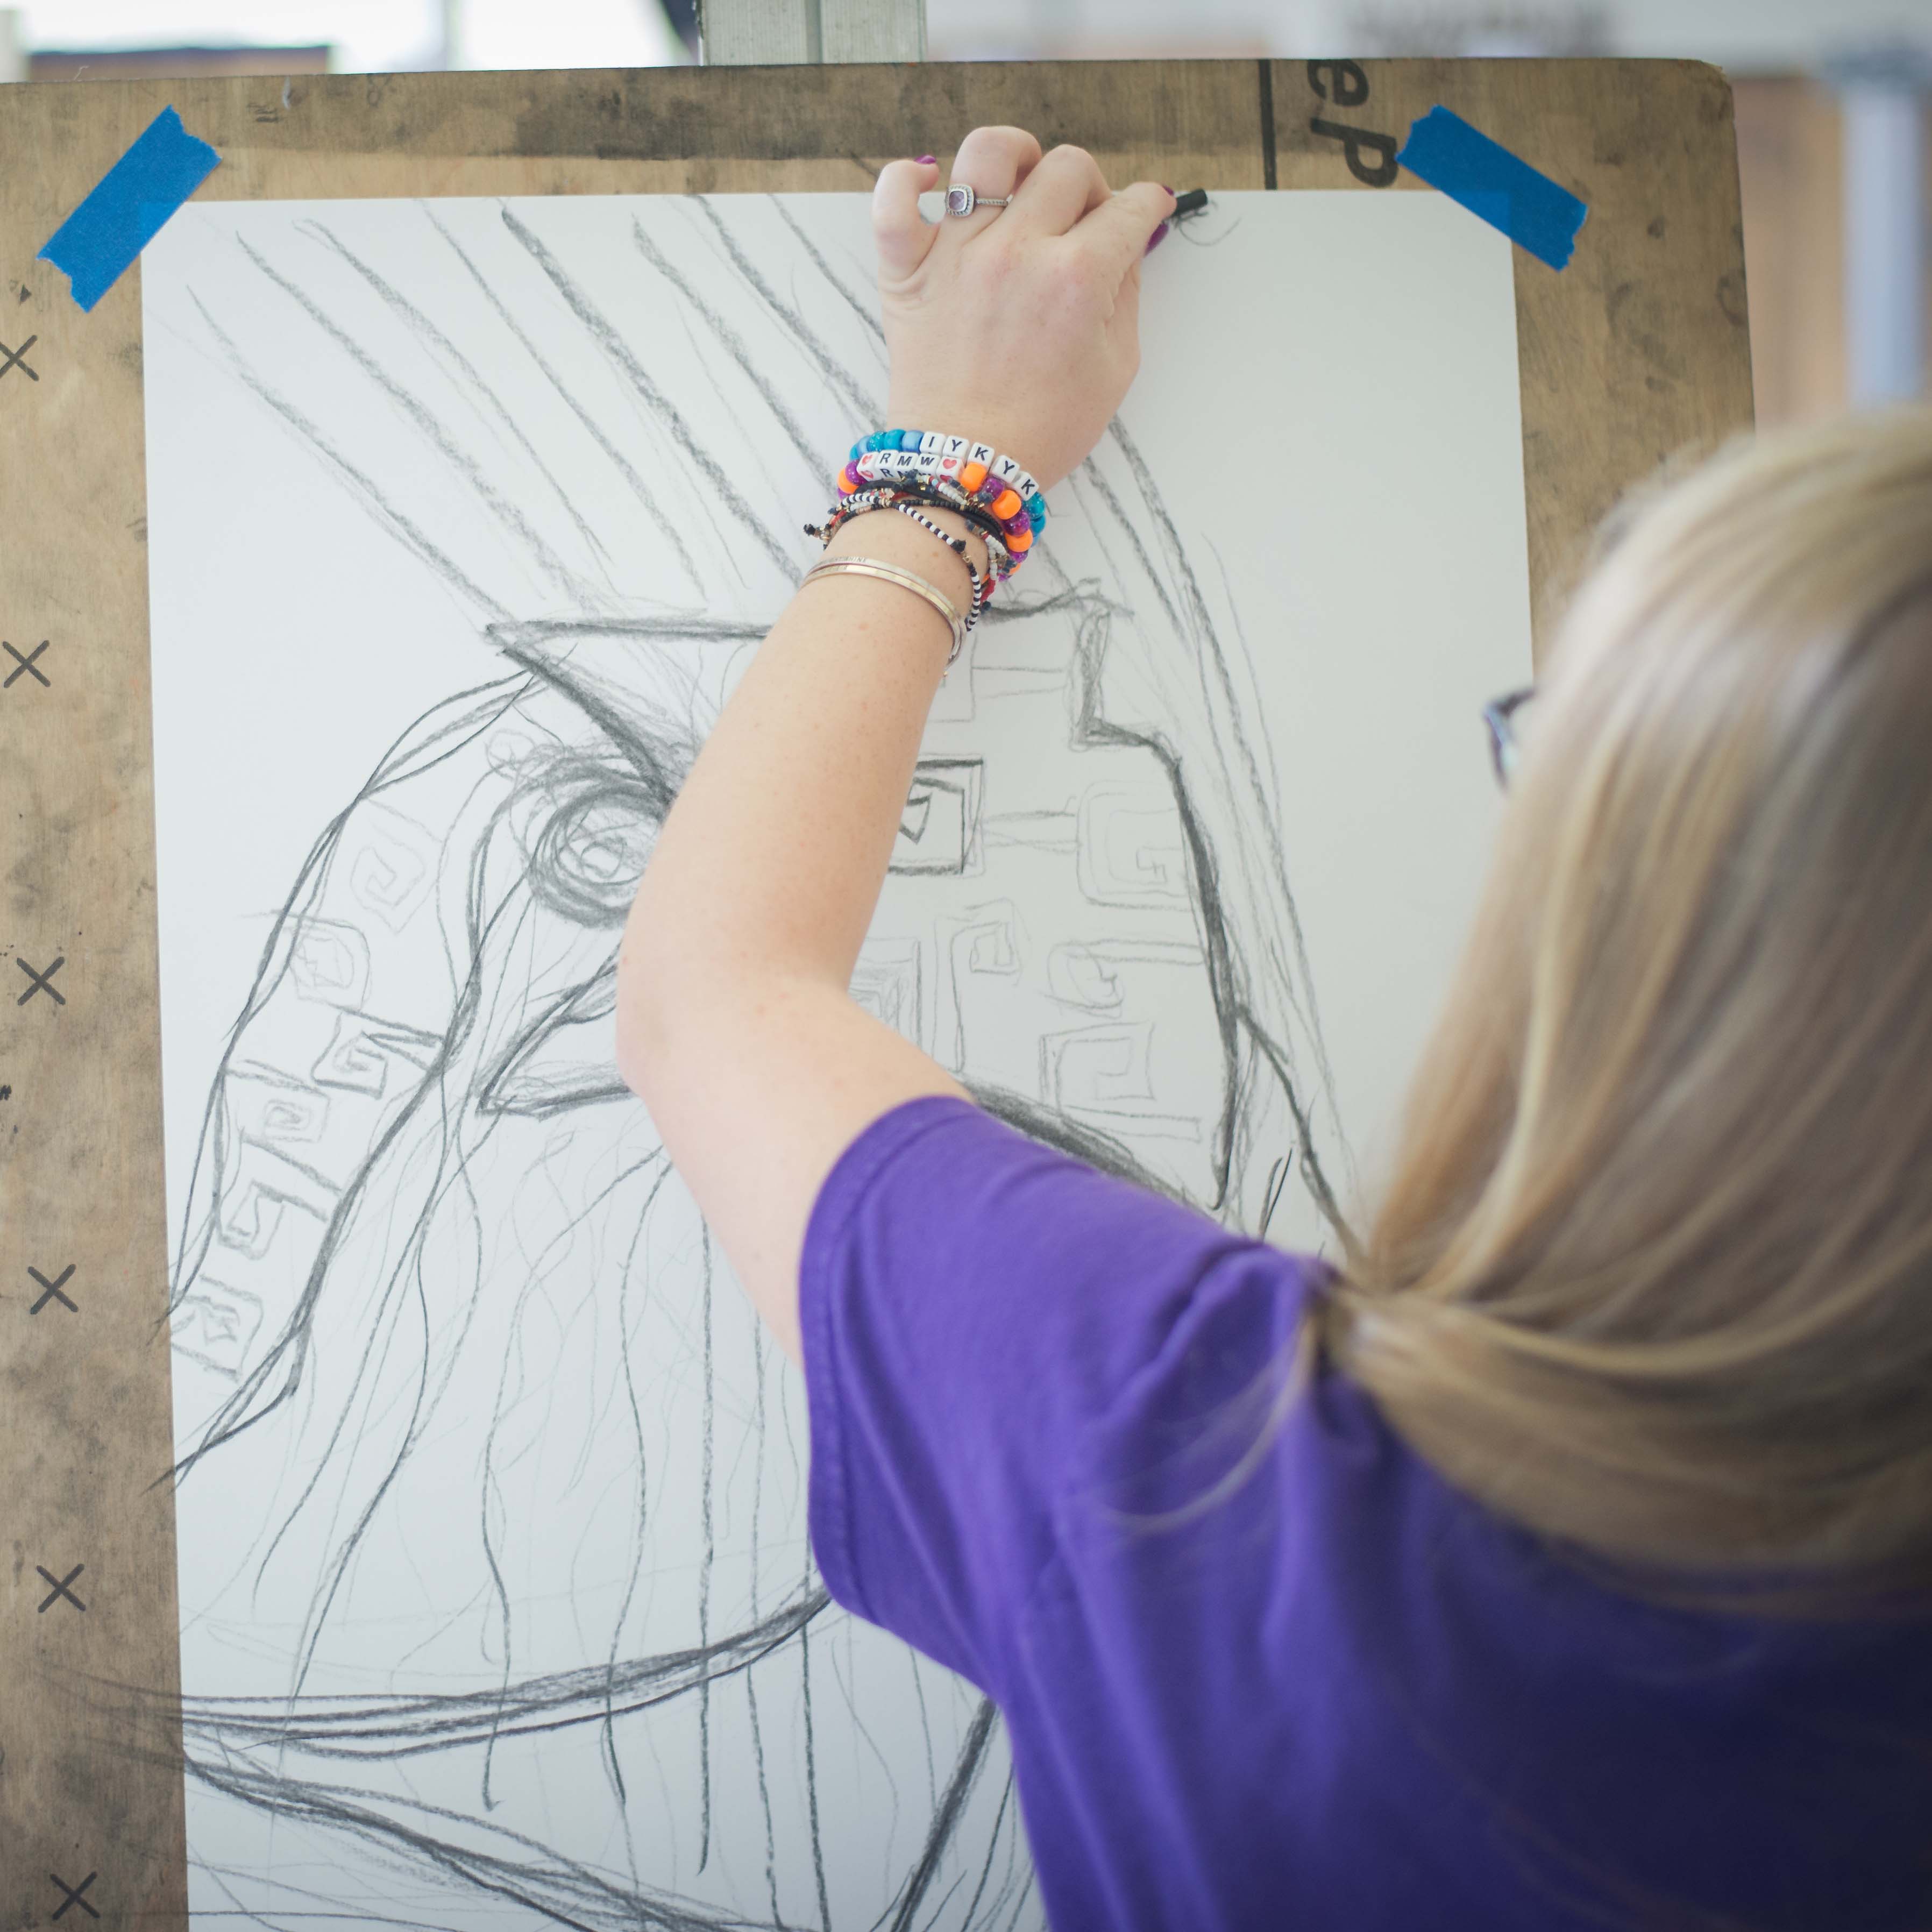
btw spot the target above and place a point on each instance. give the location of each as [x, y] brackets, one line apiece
[1637, 350]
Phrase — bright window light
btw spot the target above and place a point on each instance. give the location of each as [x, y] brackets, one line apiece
[369, 36]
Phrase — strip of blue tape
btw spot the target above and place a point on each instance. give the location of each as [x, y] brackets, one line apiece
[1444, 151]
[129, 206]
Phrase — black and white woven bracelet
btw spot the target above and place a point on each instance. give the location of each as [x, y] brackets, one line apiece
[982, 581]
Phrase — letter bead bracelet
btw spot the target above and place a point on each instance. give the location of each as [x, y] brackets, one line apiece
[993, 485]
[910, 471]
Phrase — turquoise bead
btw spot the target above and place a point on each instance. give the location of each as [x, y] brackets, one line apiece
[1036, 505]
[909, 439]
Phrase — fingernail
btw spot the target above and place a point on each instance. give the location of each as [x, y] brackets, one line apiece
[1154, 240]
[928, 160]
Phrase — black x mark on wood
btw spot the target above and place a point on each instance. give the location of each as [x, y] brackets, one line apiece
[60, 1589]
[24, 667]
[43, 983]
[12, 357]
[74, 1892]
[53, 1290]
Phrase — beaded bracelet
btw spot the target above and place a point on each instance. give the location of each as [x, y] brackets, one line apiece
[905, 497]
[989, 480]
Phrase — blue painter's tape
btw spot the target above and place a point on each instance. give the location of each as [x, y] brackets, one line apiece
[129, 206]
[1490, 182]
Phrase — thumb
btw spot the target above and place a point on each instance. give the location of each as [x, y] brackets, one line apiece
[903, 239]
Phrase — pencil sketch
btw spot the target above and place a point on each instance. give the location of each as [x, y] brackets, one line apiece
[497, 1603]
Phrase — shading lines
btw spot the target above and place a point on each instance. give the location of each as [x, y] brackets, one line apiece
[411, 534]
[506, 513]
[639, 488]
[426, 332]
[834, 371]
[625, 359]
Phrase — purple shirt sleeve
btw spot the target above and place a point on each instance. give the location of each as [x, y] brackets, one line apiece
[983, 1318]
[1332, 1690]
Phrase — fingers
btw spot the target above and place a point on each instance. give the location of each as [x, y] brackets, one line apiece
[904, 240]
[1115, 235]
[1066, 186]
[994, 161]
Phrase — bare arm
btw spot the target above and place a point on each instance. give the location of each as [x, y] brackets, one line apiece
[735, 1024]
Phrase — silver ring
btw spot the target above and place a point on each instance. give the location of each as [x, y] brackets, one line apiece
[961, 199]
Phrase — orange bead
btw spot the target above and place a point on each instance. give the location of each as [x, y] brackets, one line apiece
[1007, 506]
[846, 485]
[1019, 540]
[972, 475]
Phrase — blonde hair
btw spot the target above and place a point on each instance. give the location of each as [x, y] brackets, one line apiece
[1653, 1273]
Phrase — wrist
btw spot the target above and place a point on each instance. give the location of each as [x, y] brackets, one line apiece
[894, 538]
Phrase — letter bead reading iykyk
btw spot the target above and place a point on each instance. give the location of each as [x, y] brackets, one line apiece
[992, 486]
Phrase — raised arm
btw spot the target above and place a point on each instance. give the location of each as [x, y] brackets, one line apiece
[1018, 328]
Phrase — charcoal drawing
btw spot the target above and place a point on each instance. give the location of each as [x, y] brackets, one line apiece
[498, 1606]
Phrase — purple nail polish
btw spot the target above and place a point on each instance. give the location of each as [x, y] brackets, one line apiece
[1154, 240]
[928, 160]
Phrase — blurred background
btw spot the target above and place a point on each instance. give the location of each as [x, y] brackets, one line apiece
[1832, 106]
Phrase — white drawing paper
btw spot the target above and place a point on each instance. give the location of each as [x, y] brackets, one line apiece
[497, 1607]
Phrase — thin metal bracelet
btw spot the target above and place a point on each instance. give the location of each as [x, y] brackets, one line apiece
[863, 503]
[890, 573]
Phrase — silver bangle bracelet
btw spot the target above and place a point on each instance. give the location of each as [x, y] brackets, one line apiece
[890, 573]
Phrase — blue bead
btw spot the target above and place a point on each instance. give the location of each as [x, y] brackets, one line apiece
[909, 439]
[1036, 505]
[1038, 519]
[882, 439]
[858, 450]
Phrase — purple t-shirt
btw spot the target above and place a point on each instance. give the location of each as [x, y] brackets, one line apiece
[1341, 1695]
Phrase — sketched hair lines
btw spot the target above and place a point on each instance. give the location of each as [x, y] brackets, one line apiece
[423, 1204]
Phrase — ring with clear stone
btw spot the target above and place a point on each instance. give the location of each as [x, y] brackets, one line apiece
[961, 199]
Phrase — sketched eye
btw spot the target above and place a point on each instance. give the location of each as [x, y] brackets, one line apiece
[589, 850]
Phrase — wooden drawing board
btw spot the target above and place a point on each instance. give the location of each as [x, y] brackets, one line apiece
[1637, 351]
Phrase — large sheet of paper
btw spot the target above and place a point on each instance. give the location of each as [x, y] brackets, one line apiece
[497, 1607]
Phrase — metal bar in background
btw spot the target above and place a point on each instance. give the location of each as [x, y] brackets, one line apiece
[873, 30]
[779, 33]
[1885, 251]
